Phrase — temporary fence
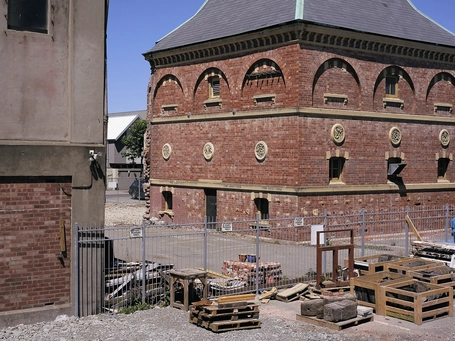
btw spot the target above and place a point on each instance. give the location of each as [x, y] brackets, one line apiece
[128, 265]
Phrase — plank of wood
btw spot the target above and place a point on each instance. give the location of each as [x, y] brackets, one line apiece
[296, 289]
[413, 228]
[236, 298]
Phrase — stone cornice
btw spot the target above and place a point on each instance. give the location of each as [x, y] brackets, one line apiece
[309, 112]
[307, 190]
[301, 33]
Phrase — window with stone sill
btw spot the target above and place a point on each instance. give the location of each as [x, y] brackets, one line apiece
[391, 86]
[336, 165]
[167, 204]
[443, 164]
[28, 15]
[214, 87]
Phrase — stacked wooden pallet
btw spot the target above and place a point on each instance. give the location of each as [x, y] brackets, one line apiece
[226, 313]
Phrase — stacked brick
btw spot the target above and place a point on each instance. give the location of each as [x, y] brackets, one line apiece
[268, 272]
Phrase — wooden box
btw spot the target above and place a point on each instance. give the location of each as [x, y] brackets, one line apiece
[400, 301]
[366, 288]
[441, 275]
[371, 264]
[410, 264]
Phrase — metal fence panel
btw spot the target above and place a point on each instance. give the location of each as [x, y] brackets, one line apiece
[123, 266]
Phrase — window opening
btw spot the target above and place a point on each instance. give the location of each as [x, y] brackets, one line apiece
[28, 15]
[443, 164]
[214, 87]
[262, 206]
[167, 196]
[391, 86]
[336, 169]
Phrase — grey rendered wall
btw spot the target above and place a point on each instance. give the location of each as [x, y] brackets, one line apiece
[53, 113]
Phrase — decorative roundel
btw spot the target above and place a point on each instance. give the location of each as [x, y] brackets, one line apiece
[395, 136]
[444, 137]
[208, 151]
[166, 151]
[338, 133]
[261, 150]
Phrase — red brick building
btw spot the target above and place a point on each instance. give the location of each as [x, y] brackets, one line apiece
[288, 108]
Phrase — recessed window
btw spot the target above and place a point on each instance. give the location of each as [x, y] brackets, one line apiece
[167, 201]
[28, 15]
[262, 206]
[443, 164]
[214, 87]
[336, 165]
[391, 86]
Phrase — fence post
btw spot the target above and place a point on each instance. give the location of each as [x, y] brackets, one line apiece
[205, 243]
[324, 254]
[363, 231]
[257, 254]
[447, 223]
[406, 233]
[76, 271]
[144, 282]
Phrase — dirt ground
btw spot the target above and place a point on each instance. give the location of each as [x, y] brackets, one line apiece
[382, 328]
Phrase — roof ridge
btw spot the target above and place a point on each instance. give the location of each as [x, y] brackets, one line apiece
[299, 4]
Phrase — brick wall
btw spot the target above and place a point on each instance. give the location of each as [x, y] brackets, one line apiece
[32, 275]
[299, 144]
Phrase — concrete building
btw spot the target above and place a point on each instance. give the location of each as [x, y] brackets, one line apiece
[52, 147]
[120, 170]
[290, 107]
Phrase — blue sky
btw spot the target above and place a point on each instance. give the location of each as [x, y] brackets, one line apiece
[135, 25]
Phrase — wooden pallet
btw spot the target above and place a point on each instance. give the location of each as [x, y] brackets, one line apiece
[225, 316]
[334, 325]
[223, 326]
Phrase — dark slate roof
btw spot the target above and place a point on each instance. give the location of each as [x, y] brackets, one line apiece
[224, 18]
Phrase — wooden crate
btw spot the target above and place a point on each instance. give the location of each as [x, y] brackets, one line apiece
[410, 264]
[418, 307]
[441, 275]
[366, 288]
[371, 264]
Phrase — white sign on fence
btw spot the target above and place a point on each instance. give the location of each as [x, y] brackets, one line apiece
[226, 227]
[136, 232]
[314, 229]
[298, 221]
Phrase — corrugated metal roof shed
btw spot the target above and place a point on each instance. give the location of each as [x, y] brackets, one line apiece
[117, 125]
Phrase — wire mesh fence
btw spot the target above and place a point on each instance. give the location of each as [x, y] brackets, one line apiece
[124, 266]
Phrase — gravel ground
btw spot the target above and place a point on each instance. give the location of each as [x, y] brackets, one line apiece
[165, 324]
[278, 320]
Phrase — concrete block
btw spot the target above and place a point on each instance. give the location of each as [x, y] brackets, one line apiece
[340, 311]
[312, 308]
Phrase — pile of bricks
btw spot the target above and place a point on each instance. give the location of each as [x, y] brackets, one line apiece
[268, 272]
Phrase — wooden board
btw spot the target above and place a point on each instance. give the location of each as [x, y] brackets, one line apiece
[222, 326]
[235, 298]
[334, 325]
